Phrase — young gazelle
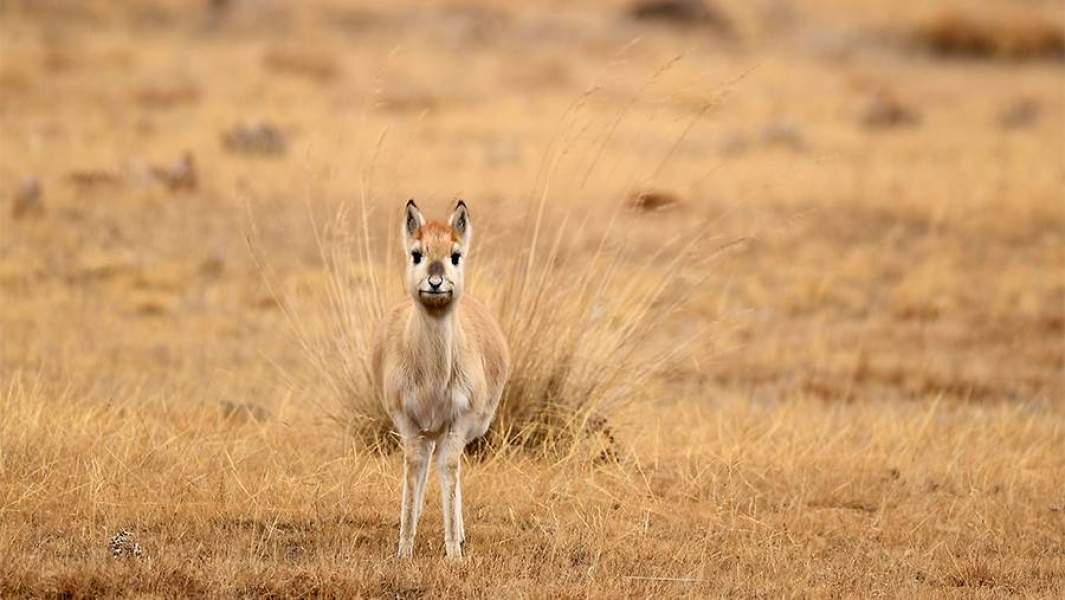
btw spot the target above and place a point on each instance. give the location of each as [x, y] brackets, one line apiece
[440, 360]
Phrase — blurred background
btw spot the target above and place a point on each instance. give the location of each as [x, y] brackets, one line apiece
[887, 176]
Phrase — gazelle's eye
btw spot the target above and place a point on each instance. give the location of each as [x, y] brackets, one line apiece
[416, 257]
[455, 258]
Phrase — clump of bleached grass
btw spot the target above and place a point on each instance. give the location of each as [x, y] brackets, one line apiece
[576, 326]
[578, 329]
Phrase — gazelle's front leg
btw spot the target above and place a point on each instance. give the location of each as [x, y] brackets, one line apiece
[449, 462]
[460, 527]
[417, 451]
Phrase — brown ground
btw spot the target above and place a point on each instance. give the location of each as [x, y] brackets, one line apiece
[873, 402]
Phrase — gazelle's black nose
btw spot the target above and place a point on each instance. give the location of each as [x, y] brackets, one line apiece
[435, 281]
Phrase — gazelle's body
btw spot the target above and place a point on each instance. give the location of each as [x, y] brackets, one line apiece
[441, 361]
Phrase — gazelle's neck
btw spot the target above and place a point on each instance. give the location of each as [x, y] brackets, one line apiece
[434, 338]
[434, 324]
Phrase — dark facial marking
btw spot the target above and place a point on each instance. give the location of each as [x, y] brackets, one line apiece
[436, 268]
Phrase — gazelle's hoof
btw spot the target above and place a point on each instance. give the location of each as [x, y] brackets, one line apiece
[406, 550]
[453, 550]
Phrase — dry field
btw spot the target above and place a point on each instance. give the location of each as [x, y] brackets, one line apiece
[865, 386]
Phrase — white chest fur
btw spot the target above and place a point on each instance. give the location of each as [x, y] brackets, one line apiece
[434, 408]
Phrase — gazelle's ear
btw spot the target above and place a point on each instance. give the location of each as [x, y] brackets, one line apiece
[412, 221]
[460, 222]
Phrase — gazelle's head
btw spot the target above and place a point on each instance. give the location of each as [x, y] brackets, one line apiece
[436, 257]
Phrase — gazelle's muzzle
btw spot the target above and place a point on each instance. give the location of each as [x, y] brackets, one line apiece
[435, 290]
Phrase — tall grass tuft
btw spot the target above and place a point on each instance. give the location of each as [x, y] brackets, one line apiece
[577, 326]
[577, 330]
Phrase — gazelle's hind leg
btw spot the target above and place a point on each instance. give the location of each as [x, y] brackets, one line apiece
[417, 452]
[477, 429]
[449, 462]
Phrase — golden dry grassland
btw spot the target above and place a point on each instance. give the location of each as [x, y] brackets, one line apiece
[841, 224]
